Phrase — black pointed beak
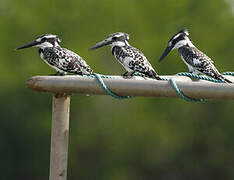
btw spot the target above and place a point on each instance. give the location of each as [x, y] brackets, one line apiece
[100, 44]
[165, 53]
[34, 43]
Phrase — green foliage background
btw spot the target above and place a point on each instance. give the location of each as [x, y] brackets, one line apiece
[140, 138]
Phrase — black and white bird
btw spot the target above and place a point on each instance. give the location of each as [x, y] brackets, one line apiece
[131, 58]
[61, 59]
[197, 61]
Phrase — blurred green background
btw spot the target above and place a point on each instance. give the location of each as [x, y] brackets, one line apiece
[140, 138]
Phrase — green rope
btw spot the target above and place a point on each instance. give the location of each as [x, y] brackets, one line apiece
[194, 76]
[181, 94]
[228, 73]
[99, 78]
[173, 84]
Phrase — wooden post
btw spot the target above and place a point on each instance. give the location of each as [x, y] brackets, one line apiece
[61, 86]
[59, 137]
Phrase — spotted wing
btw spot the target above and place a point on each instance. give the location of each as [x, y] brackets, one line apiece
[78, 63]
[67, 61]
[134, 60]
[199, 61]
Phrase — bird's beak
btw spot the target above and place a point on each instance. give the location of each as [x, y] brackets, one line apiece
[34, 43]
[100, 44]
[165, 53]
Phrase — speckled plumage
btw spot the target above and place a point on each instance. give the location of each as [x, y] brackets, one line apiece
[64, 60]
[61, 59]
[197, 61]
[132, 59]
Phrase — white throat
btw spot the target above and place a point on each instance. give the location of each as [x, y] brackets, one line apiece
[44, 45]
[183, 42]
[47, 45]
[120, 43]
[56, 44]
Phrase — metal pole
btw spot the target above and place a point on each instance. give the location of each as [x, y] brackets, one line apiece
[59, 137]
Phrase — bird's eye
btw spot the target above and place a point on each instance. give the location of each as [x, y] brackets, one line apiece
[114, 38]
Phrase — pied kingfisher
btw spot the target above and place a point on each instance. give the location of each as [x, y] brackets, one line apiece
[196, 60]
[61, 59]
[131, 58]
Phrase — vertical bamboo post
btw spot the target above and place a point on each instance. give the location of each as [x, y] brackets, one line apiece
[59, 137]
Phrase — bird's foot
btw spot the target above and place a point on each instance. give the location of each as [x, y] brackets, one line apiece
[126, 75]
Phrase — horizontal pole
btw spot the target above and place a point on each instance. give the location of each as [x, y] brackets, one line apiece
[136, 86]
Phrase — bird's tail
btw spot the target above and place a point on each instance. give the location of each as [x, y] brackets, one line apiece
[217, 75]
[220, 77]
[154, 75]
[226, 80]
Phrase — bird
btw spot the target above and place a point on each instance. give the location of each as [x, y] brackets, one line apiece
[132, 59]
[62, 60]
[197, 61]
